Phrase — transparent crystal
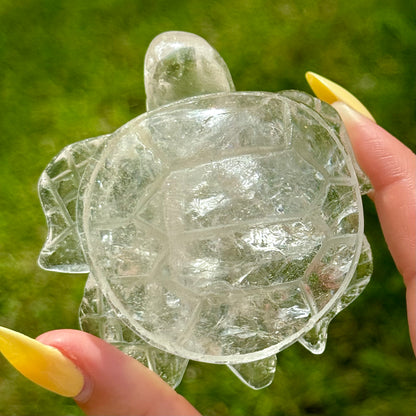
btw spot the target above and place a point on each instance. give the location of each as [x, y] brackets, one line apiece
[220, 226]
[257, 374]
[58, 193]
[98, 317]
[179, 65]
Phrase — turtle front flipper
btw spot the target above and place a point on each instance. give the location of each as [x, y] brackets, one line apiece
[179, 65]
[315, 339]
[256, 374]
[58, 189]
[98, 317]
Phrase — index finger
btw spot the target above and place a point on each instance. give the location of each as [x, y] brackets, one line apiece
[391, 167]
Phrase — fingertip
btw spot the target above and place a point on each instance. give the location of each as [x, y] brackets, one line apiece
[42, 364]
[115, 384]
[330, 92]
[350, 115]
[382, 157]
[67, 341]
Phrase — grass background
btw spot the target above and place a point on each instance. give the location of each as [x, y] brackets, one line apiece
[73, 69]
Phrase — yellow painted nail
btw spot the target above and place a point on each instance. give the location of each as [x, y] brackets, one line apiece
[330, 92]
[40, 363]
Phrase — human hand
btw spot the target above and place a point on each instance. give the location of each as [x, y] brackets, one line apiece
[101, 379]
[114, 383]
[391, 168]
[104, 381]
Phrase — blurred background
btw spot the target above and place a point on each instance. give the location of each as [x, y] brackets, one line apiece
[73, 69]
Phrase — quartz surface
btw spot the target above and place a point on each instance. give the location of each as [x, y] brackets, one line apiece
[219, 226]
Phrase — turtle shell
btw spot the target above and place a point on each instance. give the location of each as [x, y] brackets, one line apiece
[223, 227]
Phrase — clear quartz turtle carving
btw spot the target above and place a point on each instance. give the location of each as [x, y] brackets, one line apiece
[219, 226]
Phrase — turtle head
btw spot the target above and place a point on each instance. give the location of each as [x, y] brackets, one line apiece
[179, 65]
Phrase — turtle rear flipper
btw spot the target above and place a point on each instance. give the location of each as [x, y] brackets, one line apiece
[58, 189]
[98, 317]
[315, 339]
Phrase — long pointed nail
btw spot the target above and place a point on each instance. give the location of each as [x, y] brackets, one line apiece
[331, 92]
[40, 363]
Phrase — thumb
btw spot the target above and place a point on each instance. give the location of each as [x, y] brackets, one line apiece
[114, 383]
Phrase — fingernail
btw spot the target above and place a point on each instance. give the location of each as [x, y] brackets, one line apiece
[331, 92]
[40, 363]
[347, 113]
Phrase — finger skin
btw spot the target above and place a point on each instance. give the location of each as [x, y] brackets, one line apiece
[391, 167]
[115, 384]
